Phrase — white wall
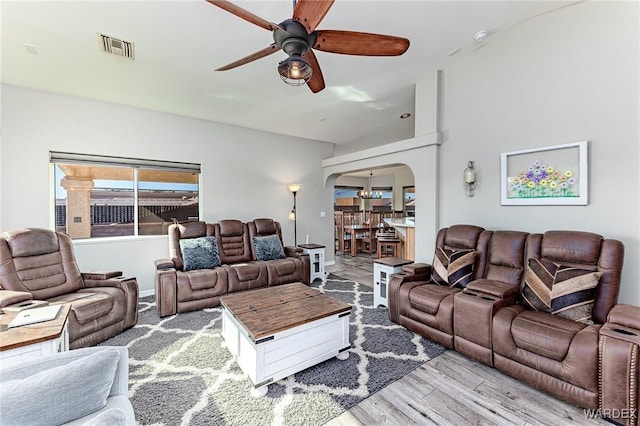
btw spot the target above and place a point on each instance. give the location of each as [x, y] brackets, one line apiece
[563, 77]
[245, 172]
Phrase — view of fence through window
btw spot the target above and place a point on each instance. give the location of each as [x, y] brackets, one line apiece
[348, 198]
[94, 201]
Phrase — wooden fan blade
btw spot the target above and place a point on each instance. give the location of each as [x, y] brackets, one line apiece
[310, 12]
[363, 44]
[257, 55]
[316, 83]
[244, 14]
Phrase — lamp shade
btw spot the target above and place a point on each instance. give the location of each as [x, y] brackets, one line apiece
[294, 187]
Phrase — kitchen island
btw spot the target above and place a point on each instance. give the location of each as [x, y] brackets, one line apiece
[405, 230]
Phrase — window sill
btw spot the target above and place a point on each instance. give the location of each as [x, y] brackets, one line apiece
[112, 240]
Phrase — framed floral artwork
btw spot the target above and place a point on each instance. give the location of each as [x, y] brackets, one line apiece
[553, 175]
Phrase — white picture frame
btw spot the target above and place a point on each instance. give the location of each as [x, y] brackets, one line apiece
[552, 175]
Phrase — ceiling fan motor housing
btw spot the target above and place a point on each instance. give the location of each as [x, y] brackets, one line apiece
[293, 38]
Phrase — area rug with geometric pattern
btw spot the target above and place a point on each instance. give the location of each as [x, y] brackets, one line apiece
[180, 373]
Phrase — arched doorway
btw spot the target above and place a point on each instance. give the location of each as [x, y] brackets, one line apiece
[369, 202]
[420, 155]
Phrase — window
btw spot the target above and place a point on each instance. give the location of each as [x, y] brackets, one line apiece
[346, 197]
[409, 197]
[384, 200]
[99, 196]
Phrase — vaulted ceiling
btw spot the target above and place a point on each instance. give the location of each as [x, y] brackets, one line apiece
[53, 46]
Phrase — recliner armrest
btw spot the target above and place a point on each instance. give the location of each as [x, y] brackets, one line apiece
[417, 269]
[291, 251]
[9, 297]
[129, 286]
[118, 282]
[413, 272]
[166, 292]
[162, 264]
[403, 277]
[100, 275]
[625, 315]
[493, 288]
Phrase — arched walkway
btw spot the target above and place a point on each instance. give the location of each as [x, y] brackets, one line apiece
[420, 155]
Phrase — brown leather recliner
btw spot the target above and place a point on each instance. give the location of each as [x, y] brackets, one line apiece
[183, 291]
[280, 271]
[555, 354]
[425, 307]
[180, 291]
[40, 264]
[497, 286]
[235, 249]
[493, 320]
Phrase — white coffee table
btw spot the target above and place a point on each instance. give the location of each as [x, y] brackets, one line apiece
[278, 331]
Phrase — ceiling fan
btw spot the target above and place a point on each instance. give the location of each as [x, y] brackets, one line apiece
[298, 37]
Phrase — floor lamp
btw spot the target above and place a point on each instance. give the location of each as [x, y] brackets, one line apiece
[294, 188]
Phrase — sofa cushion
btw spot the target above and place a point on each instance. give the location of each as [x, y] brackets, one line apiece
[268, 248]
[60, 394]
[453, 268]
[265, 226]
[543, 334]
[200, 253]
[427, 298]
[32, 242]
[560, 289]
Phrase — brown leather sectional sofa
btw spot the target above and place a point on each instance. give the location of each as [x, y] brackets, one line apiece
[39, 264]
[491, 320]
[178, 290]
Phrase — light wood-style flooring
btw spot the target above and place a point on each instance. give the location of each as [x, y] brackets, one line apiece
[452, 389]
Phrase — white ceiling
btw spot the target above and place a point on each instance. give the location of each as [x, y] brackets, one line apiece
[178, 44]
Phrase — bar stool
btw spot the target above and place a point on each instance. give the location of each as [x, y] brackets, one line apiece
[388, 244]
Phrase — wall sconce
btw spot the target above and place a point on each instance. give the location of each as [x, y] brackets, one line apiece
[294, 188]
[470, 181]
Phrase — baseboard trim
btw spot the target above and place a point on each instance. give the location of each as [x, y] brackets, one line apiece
[146, 293]
[329, 263]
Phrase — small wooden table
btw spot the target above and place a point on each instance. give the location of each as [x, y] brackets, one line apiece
[275, 332]
[353, 230]
[34, 340]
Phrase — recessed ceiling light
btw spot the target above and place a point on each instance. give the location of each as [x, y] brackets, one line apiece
[454, 52]
[480, 36]
[405, 115]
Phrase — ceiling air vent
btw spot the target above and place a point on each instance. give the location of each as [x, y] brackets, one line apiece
[116, 46]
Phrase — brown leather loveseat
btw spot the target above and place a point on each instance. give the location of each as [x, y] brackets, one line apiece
[240, 267]
[530, 305]
[39, 264]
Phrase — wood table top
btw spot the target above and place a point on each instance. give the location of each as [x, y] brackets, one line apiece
[266, 311]
[16, 337]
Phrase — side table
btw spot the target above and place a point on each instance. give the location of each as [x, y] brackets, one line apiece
[382, 270]
[316, 257]
[34, 340]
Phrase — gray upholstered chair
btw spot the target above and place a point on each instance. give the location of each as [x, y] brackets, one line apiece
[87, 386]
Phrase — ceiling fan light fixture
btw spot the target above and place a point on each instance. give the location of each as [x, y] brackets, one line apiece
[295, 71]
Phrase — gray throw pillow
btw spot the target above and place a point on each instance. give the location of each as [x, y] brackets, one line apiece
[268, 248]
[200, 253]
[61, 394]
